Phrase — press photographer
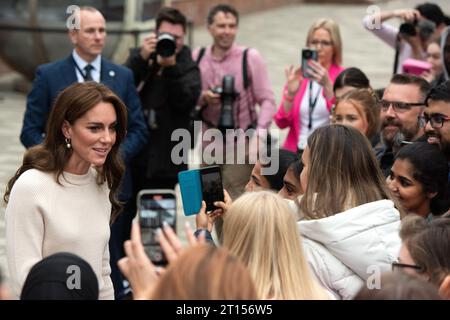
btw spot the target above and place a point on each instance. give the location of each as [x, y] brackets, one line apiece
[168, 82]
[418, 28]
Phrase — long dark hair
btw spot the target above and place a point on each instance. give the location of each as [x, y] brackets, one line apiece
[52, 155]
[352, 77]
[430, 168]
[343, 171]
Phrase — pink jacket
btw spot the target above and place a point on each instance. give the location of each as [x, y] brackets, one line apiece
[292, 118]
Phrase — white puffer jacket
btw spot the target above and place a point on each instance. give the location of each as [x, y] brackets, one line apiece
[344, 250]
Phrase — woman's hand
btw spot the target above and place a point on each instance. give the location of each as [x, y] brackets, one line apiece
[293, 78]
[171, 244]
[225, 205]
[320, 74]
[137, 267]
[428, 75]
[206, 221]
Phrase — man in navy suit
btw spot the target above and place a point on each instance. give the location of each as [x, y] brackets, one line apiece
[86, 64]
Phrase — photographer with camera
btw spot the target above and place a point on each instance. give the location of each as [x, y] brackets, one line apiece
[420, 26]
[168, 82]
[234, 81]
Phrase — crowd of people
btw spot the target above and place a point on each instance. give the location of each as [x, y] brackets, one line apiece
[362, 185]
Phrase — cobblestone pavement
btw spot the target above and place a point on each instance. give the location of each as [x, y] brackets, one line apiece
[278, 34]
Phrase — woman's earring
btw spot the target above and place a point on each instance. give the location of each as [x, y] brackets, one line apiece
[68, 145]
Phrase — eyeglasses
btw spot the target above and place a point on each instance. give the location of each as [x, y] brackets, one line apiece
[323, 43]
[400, 266]
[436, 120]
[399, 107]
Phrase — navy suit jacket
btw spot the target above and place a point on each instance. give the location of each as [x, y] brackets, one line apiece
[54, 77]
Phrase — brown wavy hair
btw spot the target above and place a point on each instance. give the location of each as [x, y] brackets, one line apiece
[52, 155]
[343, 173]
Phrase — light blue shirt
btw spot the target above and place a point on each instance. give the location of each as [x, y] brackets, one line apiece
[81, 63]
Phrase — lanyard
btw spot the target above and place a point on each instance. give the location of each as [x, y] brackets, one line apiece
[312, 103]
[79, 69]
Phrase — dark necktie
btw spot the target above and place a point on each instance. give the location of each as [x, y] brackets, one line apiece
[88, 75]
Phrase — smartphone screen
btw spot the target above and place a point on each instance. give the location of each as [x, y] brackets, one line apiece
[155, 207]
[307, 54]
[212, 189]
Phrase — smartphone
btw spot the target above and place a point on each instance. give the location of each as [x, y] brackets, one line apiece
[197, 185]
[307, 54]
[416, 67]
[191, 191]
[155, 206]
[212, 189]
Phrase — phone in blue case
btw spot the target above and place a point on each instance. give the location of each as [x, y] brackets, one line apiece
[191, 191]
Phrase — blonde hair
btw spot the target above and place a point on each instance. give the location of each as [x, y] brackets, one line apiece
[205, 272]
[260, 229]
[333, 28]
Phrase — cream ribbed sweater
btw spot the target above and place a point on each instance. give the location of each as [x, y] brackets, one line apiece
[43, 218]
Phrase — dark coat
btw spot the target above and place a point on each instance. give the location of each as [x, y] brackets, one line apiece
[172, 94]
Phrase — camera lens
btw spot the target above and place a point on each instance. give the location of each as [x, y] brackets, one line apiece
[165, 46]
[408, 29]
[228, 84]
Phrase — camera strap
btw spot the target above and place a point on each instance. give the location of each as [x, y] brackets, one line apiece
[397, 52]
[312, 103]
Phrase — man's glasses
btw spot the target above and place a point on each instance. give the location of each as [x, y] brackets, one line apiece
[401, 266]
[398, 107]
[436, 120]
[323, 43]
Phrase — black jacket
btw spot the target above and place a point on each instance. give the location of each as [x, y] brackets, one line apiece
[171, 94]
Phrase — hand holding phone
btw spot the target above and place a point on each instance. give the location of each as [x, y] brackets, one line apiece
[197, 185]
[156, 207]
[212, 189]
[308, 54]
[416, 67]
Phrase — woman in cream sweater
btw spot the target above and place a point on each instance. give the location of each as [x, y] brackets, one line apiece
[63, 195]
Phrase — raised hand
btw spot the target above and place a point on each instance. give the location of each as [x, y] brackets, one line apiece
[293, 78]
[137, 267]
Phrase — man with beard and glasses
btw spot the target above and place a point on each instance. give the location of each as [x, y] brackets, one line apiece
[401, 106]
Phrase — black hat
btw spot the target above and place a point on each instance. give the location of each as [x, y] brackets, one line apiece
[51, 279]
[433, 12]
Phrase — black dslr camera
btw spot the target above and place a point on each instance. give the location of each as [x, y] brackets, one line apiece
[165, 45]
[228, 96]
[425, 29]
